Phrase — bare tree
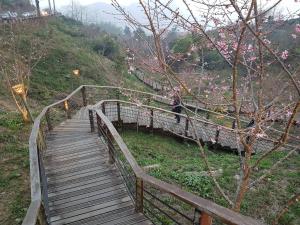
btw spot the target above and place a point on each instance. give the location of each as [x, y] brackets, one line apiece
[238, 31]
[20, 53]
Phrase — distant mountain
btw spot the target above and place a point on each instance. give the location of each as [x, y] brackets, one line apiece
[16, 5]
[103, 12]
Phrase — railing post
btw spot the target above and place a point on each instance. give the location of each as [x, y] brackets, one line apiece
[67, 110]
[217, 134]
[233, 126]
[84, 99]
[103, 108]
[186, 127]
[91, 117]
[205, 219]
[42, 216]
[207, 117]
[139, 205]
[119, 109]
[111, 159]
[202, 218]
[98, 121]
[48, 120]
[151, 120]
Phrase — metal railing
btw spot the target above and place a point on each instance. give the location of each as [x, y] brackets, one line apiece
[161, 202]
[66, 108]
[191, 128]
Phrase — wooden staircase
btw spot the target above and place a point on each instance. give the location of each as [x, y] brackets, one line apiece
[83, 188]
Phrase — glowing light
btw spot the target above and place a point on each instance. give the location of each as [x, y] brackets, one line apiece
[44, 13]
[76, 72]
[19, 89]
[66, 105]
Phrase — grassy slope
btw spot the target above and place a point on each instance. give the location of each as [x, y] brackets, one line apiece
[51, 80]
[180, 163]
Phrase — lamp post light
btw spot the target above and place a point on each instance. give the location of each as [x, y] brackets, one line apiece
[76, 72]
[20, 90]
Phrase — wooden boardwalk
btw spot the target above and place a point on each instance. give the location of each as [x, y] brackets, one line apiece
[83, 188]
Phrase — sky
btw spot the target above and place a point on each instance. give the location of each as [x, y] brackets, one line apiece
[59, 3]
[285, 4]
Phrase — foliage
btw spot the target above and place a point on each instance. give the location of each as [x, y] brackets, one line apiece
[14, 169]
[106, 46]
[182, 45]
[181, 164]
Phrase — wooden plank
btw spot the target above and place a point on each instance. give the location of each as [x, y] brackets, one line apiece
[87, 202]
[106, 217]
[90, 211]
[83, 195]
[86, 198]
[82, 189]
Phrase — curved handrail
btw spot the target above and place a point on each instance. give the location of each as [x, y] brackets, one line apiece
[36, 196]
[196, 119]
[226, 215]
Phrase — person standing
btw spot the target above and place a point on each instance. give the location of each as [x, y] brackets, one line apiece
[176, 106]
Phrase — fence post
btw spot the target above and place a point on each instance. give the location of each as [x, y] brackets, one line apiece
[202, 218]
[111, 159]
[67, 110]
[139, 205]
[119, 110]
[103, 108]
[42, 216]
[233, 124]
[151, 120]
[48, 120]
[84, 99]
[91, 117]
[205, 219]
[98, 121]
[207, 117]
[186, 127]
[217, 134]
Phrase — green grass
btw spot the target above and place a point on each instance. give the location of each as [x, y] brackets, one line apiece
[14, 169]
[181, 164]
[51, 80]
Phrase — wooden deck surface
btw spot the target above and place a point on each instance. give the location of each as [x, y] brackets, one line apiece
[83, 188]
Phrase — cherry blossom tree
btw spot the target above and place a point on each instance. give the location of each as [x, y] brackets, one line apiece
[264, 79]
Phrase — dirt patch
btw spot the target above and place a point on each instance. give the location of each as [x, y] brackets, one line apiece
[6, 105]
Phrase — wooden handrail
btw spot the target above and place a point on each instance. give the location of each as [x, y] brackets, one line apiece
[36, 197]
[182, 115]
[226, 215]
[193, 104]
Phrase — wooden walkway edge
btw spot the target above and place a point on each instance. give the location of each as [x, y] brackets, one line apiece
[83, 188]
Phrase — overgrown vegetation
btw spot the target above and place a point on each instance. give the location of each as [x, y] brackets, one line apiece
[70, 47]
[14, 169]
[180, 163]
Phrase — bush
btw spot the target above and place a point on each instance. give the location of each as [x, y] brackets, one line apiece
[182, 45]
[106, 46]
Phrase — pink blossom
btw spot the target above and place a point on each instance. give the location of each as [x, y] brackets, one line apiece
[261, 135]
[234, 46]
[253, 58]
[289, 113]
[266, 41]
[222, 35]
[297, 28]
[284, 54]
[250, 48]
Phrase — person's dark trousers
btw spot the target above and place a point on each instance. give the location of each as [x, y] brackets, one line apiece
[177, 110]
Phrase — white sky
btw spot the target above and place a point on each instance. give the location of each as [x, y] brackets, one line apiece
[290, 5]
[59, 3]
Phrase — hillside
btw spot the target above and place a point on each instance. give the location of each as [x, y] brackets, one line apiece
[69, 46]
